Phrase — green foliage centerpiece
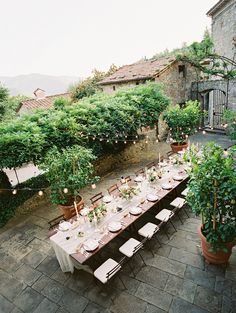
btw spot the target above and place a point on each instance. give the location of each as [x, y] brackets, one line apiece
[127, 192]
[212, 195]
[97, 213]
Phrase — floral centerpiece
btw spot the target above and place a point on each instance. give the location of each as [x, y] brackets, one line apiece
[152, 175]
[127, 192]
[98, 212]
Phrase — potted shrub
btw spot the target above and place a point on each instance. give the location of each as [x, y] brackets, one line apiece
[182, 122]
[212, 195]
[68, 171]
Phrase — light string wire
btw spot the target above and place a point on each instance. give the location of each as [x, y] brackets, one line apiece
[100, 138]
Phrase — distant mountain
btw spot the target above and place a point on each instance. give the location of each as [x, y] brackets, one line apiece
[26, 84]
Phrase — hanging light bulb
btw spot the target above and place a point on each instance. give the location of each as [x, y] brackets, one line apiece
[40, 192]
[100, 139]
[226, 153]
[186, 136]
[107, 140]
[157, 140]
[116, 141]
[93, 186]
[94, 138]
[14, 192]
[136, 136]
[134, 142]
[122, 180]
[65, 190]
[146, 141]
[125, 142]
[204, 132]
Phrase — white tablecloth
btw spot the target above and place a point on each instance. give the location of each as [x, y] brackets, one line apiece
[64, 248]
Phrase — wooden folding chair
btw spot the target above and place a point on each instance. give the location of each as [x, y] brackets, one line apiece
[140, 172]
[113, 188]
[150, 165]
[126, 180]
[96, 198]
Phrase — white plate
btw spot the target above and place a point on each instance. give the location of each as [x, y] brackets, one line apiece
[135, 211]
[152, 197]
[166, 186]
[84, 211]
[114, 226]
[64, 226]
[91, 245]
[138, 179]
[178, 177]
[107, 199]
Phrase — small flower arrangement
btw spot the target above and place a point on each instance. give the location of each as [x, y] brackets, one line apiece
[127, 192]
[98, 212]
[152, 175]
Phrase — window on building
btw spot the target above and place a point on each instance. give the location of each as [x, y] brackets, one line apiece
[182, 71]
[114, 88]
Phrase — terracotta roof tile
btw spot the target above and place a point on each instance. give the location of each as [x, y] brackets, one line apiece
[137, 71]
[41, 103]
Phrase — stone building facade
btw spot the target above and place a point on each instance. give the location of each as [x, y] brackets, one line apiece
[175, 76]
[223, 15]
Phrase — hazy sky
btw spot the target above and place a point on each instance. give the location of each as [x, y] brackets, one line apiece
[71, 37]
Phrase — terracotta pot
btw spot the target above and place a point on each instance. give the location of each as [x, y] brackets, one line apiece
[68, 210]
[215, 257]
[176, 147]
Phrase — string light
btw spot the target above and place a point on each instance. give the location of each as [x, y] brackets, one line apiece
[116, 141]
[134, 142]
[40, 193]
[226, 153]
[204, 132]
[93, 186]
[65, 190]
[14, 192]
[125, 142]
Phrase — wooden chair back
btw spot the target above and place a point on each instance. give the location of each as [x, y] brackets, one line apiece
[96, 198]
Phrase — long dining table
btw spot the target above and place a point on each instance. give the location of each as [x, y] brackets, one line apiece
[69, 244]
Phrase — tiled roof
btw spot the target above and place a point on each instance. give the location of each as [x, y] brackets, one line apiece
[137, 71]
[217, 7]
[41, 103]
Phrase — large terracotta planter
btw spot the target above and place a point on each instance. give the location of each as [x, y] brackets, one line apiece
[68, 210]
[217, 257]
[176, 147]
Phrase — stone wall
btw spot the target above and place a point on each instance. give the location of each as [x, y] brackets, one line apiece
[177, 85]
[116, 86]
[140, 152]
[224, 29]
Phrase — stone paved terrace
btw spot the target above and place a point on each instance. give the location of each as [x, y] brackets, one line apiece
[176, 279]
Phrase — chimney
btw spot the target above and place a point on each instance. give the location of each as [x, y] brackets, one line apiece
[39, 94]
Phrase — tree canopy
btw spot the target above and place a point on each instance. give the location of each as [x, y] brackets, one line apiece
[30, 137]
[88, 86]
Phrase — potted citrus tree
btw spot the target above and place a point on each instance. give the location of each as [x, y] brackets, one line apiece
[212, 195]
[182, 122]
[68, 171]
